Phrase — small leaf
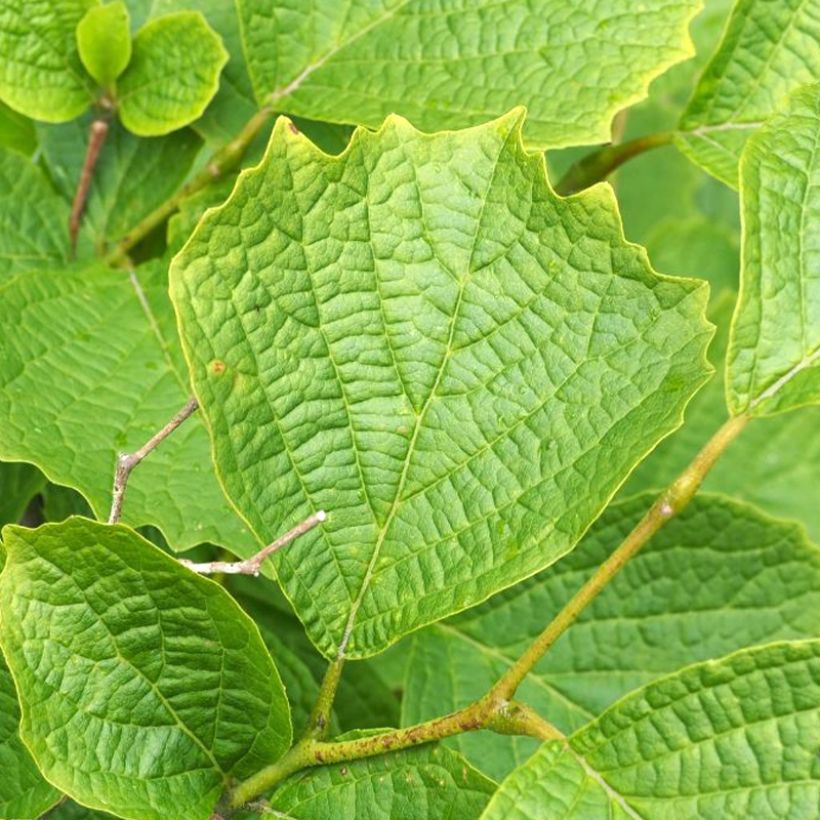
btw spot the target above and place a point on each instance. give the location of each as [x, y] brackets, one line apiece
[773, 363]
[417, 784]
[768, 50]
[105, 342]
[452, 64]
[23, 791]
[104, 42]
[33, 218]
[421, 338]
[730, 738]
[172, 76]
[718, 578]
[144, 688]
[41, 75]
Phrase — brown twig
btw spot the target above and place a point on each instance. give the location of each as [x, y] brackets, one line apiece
[127, 461]
[253, 565]
[96, 138]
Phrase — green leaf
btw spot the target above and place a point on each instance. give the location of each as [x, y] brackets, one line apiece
[780, 479]
[23, 792]
[33, 218]
[19, 483]
[172, 76]
[773, 363]
[104, 341]
[132, 177]
[16, 132]
[421, 338]
[768, 50]
[414, 785]
[455, 64]
[718, 578]
[41, 75]
[730, 738]
[104, 41]
[555, 782]
[69, 810]
[144, 688]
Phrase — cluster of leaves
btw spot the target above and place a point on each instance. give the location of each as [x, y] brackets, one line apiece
[473, 376]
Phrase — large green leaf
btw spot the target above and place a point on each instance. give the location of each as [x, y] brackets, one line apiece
[33, 218]
[718, 578]
[782, 477]
[132, 177]
[23, 792]
[413, 785]
[103, 341]
[773, 363]
[41, 75]
[421, 338]
[768, 49]
[173, 74]
[458, 63]
[144, 688]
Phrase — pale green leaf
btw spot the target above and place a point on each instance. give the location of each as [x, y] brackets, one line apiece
[773, 363]
[768, 50]
[23, 791]
[33, 218]
[16, 132]
[132, 177]
[418, 784]
[718, 578]
[41, 75]
[19, 483]
[421, 338]
[104, 41]
[783, 473]
[144, 688]
[172, 76]
[451, 64]
[103, 341]
[730, 738]
[556, 783]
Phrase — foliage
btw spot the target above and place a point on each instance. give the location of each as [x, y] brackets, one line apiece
[297, 275]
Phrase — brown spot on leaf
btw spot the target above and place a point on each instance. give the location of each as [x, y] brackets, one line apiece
[293, 128]
[217, 367]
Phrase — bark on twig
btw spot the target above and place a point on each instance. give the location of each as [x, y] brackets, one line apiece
[96, 138]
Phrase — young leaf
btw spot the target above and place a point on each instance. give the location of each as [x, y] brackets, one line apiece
[105, 342]
[555, 782]
[172, 76]
[33, 218]
[132, 177]
[414, 785]
[719, 578]
[104, 42]
[419, 337]
[23, 791]
[769, 49]
[41, 75]
[459, 64]
[773, 363]
[144, 688]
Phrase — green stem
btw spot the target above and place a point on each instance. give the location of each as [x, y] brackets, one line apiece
[224, 160]
[667, 506]
[499, 716]
[319, 721]
[600, 164]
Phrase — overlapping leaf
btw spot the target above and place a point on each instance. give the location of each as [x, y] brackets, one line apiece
[453, 64]
[103, 341]
[422, 339]
[144, 688]
[773, 363]
[768, 50]
[719, 578]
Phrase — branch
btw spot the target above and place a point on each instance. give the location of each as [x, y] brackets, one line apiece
[600, 164]
[127, 461]
[666, 507]
[252, 565]
[96, 138]
[222, 161]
